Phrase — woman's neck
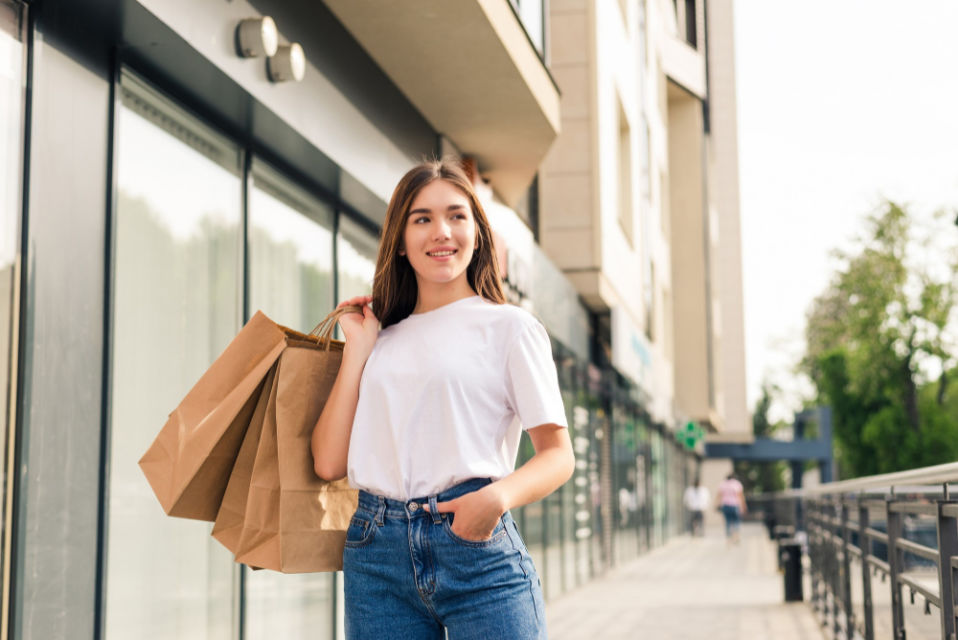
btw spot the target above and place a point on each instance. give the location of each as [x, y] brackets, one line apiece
[432, 297]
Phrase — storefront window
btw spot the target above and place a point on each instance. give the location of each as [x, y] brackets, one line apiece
[290, 252]
[626, 480]
[356, 259]
[658, 489]
[291, 281]
[177, 302]
[11, 180]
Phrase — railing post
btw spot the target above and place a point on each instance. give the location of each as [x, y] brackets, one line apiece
[947, 549]
[836, 568]
[828, 581]
[847, 572]
[814, 566]
[895, 561]
[865, 544]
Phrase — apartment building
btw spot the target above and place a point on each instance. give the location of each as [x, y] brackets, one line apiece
[640, 199]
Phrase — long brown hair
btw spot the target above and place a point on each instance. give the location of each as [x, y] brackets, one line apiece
[394, 288]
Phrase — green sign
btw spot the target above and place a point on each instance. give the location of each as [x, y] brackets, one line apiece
[690, 435]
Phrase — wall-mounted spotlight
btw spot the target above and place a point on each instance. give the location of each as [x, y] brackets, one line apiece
[289, 63]
[257, 37]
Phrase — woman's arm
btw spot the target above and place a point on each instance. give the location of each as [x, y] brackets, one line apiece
[330, 440]
[550, 467]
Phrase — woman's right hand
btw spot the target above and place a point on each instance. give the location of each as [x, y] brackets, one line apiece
[360, 329]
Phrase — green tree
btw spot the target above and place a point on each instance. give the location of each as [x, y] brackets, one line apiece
[873, 337]
[762, 477]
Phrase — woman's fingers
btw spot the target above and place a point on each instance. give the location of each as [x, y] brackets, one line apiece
[449, 506]
[358, 301]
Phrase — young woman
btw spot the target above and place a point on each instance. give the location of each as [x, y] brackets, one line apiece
[425, 418]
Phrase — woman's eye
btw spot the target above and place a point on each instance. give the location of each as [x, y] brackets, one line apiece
[421, 220]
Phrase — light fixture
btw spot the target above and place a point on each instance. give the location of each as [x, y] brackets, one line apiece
[289, 63]
[256, 37]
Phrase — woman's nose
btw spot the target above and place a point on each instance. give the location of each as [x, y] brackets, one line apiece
[441, 230]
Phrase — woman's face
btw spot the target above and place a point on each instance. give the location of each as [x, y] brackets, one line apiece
[440, 234]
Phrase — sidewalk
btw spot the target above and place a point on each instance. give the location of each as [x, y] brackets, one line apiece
[690, 589]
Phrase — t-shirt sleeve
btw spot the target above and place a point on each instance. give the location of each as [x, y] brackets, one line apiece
[531, 381]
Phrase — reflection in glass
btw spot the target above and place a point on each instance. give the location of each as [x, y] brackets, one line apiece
[290, 270]
[11, 179]
[658, 497]
[356, 259]
[176, 306]
[290, 253]
[531, 14]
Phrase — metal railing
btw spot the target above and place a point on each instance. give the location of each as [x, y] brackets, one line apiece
[872, 539]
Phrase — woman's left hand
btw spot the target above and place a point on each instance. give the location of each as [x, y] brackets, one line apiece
[476, 513]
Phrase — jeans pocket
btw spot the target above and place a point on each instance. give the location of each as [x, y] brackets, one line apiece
[498, 534]
[360, 531]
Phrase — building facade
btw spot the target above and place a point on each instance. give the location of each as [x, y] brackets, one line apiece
[158, 187]
[641, 195]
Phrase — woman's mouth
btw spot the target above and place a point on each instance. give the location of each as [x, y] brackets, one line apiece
[441, 253]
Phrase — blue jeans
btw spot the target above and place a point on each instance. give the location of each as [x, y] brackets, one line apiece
[407, 576]
[732, 518]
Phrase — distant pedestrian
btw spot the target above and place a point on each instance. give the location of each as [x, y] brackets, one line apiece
[731, 499]
[697, 500]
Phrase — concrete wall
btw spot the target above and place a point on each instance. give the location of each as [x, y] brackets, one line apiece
[568, 222]
[317, 108]
[602, 213]
[689, 255]
[724, 190]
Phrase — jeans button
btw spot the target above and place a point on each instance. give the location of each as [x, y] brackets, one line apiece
[413, 506]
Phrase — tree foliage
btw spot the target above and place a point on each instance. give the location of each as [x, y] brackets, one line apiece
[880, 348]
[762, 477]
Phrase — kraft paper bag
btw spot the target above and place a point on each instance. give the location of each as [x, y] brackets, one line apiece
[229, 519]
[189, 463]
[295, 522]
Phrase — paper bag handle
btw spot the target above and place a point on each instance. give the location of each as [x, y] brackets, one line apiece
[324, 330]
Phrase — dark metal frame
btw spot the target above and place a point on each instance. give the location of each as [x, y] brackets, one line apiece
[13, 436]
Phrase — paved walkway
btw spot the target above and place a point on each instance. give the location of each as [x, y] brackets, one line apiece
[690, 589]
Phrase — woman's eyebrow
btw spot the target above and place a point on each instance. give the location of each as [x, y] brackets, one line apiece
[451, 207]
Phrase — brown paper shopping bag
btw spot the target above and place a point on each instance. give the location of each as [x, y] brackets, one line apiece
[295, 522]
[229, 519]
[189, 463]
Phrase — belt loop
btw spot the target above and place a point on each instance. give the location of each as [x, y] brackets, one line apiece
[381, 512]
[434, 510]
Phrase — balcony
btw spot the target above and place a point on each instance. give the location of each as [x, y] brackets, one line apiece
[472, 71]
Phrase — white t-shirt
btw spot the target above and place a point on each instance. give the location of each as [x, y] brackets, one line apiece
[697, 498]
[444, 396]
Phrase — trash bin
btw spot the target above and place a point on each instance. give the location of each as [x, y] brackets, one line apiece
[790, 557]
[779, 533]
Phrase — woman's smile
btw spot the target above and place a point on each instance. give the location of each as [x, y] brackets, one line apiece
[442, 253]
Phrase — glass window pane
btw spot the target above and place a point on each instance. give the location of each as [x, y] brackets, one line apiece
[530, 13]
[177, 303]
[290, 252]
[356, 259]
[11, 179]
[290, 269]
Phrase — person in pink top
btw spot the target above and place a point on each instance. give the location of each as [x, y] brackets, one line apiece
[731, 499]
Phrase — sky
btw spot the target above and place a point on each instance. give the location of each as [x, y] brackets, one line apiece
[841, 104]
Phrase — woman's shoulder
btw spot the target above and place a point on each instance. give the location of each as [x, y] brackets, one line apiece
[509, 315]
[507, 310]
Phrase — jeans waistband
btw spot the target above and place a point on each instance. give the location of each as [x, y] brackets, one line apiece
[390, 507]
